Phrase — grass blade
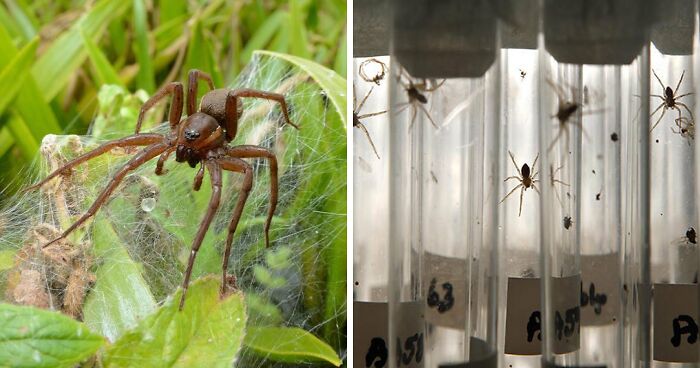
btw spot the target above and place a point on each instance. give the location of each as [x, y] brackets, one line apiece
[104, 72]
[13, 75]
[66, 54]
[145, 78]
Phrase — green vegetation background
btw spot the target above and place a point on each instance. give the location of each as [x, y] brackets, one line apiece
[142, 44]
[55, 56]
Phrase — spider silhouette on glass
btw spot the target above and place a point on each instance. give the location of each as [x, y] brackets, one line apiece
[416, 90]
[526, 179]
[670, 101]
[202, 138]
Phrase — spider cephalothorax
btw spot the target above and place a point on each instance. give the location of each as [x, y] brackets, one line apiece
[201, 138]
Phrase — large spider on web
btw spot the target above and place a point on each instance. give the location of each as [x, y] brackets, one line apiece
[202, 138]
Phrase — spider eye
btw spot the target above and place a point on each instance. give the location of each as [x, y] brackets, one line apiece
[191, 135]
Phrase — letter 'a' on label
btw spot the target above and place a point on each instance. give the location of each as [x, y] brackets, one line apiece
[371, 330]
[524, 317]
[676, 323]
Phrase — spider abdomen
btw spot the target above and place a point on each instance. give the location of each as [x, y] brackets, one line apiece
[214, 105]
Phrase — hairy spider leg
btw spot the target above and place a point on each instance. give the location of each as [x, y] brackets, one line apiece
[235, 165]
[130, 141]
[174, 88]
[248, 151]
[232, 107]
[145, 155]
[193, 78]
[364, 99]
[215, 174]
[679, 83]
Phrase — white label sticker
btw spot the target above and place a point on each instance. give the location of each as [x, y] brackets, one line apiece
[600, 289]
[444, 287]
[523, 315]
[676, 322]
[370, 329]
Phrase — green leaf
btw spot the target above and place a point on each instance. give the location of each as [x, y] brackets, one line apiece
[31, 337]
[330, 81]
[104, 72]
[13, 75]
[66, 54]
[144, 78]
[297, 31]
[121, 296]
[263, 35]
[289, 345]
[208, 332]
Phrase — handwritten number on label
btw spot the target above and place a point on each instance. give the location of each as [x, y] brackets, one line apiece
[377, 350]
[690, 328]
[591, 298]
[562, 327]
[434, 298]
[412, 350]
[534, 325]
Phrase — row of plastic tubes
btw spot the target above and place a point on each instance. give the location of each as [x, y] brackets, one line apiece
[540, 212]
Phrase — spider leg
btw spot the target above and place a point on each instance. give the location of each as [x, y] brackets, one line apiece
[174, 88]
[161, 161]
[435, 87]
[133, 140]
[232, 107]
[557, 89]
[414, 112]
[535, 188]
[428, 115]
[683, 95]
[364, 99]
[511, 192]
[562, 128]
[236, 165]
[511, 177]
[248, 151]
[663, 112]
[371, 114]
[534, 163]
[402, 107]
[215, 174]
[514, 164]
[364, 129]
[145, 155]
[198, 178]
[193, 78]
[522, 192]
[686, 109]
[679, 83]
[659, 79]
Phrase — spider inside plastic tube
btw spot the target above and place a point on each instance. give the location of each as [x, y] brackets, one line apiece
[202, 138]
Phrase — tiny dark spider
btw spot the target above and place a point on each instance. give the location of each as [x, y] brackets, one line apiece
[691, 235]
[567, 222]
[416, 90]
[201, 138]
[670, 100]
[526, 180]
[357, 118]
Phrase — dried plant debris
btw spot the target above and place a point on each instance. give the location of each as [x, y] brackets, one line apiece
[56, 277]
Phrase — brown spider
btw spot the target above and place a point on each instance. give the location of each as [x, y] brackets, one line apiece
[565, 109]
[201, 138]
[357, 118]
[670, 100]
[686, 128]
[526, 180]
[416, 96]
